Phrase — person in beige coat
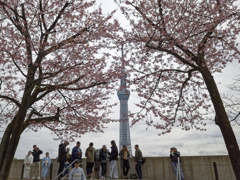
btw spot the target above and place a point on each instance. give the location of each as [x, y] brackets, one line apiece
[90, 155]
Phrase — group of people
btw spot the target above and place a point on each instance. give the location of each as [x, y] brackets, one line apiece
[96, 160]
[32, 159]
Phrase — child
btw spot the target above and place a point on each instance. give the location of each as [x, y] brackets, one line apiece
[45, 165]
[77, 173]
[27, 164]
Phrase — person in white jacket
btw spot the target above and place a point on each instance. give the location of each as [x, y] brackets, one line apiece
[77, 173]
[27, 164]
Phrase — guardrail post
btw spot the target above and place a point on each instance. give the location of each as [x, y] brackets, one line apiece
[51, 167]
[22, 171]
[215, 170]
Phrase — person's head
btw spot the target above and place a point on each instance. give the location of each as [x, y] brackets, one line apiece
[77, 163]
[96, 151]
[136, 146]
[29, 152]
[47, 154]
[113, 143]
[104, 147]
[68, 149]
[125, 148]
[174, 149]
[91, 144]
[66, 143]
[35, 147]
[78, 144]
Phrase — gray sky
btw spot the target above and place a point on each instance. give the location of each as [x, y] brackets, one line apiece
[189, 143]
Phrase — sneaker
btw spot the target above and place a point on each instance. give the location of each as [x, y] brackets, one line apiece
[33, 177]
[39, 178]
[109, 178]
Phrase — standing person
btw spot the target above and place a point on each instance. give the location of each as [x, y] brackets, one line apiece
[67, 163]
[138, 161]
[124, 155]
[62, 156]
[36, 162]
[97, 165]
[27, 164]
[90, 155]
[77, 173]
[76, 153]
[113, 159]
[103, 161]
[45, 165]
[174, 155]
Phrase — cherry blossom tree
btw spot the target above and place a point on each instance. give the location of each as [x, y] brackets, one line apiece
[51, 70]
[174, 48]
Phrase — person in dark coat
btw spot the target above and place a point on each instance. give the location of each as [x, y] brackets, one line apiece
[62, 156]
[113, 159]
[174, 155]
[36, 162]
[103, 160]
[124, 155]
[76, 153]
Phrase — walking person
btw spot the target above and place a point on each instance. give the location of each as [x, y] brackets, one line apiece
[124, 155]
[45, 165]
[103, 161]
[67, 163]
[76, 153]
[27, 164]
[174, 155]
[36, 162]
[138, 161]
[90, 155]
[113, 161]
[77, 172]
[62, 157]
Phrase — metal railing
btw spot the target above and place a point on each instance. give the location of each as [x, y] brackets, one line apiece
[65, 170]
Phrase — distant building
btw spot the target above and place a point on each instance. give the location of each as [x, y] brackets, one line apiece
[124, 131]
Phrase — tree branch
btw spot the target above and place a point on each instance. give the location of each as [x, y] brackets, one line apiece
[11, 99]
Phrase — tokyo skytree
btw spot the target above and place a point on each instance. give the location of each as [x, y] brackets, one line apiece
[123, 95]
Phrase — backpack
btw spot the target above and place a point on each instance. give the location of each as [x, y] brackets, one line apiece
[133, 176]
[143, 160]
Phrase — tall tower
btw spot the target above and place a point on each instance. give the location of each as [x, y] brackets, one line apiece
[123, 96]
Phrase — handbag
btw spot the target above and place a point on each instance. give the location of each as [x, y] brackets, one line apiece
[27, 167]
[133, 176]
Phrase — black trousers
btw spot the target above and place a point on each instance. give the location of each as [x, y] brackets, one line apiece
[104, 168]
[61, 167]
[139, 169]
[89, 168]
[125, 167]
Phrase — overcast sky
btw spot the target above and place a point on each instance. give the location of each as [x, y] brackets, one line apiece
[189, 143]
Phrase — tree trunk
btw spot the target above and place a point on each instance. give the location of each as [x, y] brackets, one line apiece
[221, 119]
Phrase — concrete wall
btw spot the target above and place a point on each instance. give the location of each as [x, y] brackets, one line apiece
[156, 168]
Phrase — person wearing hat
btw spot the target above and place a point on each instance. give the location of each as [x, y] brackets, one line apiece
[174, 155]
[103, 161]
[36, 162]
[45, 165]
[27, 164]
[62, 156]
[90, 155]
[76, 153]
[77, 172]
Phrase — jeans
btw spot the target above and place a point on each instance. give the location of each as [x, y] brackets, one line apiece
[175, 169]
[125, 167]
[66, 169]
[104, 168]
[36, 169]
[138, 169]
[113, 169]
[61, 167]
[89, 168]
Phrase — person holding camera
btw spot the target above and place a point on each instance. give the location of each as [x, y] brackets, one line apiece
[174, 155]
[76, 153]
[36, 162]
[62, 156]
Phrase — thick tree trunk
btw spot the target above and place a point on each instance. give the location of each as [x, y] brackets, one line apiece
[224, 124]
